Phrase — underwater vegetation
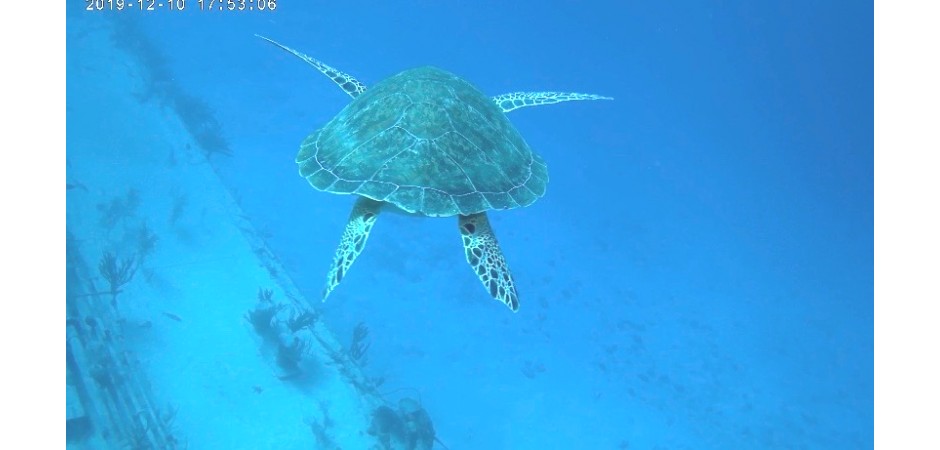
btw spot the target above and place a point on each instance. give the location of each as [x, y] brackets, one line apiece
[200, 121]
[321, 429]
[146, 242]
[289, 338]
[116, 273]
[197, 116]
[119, 209]
[262, 316]
[301, 319]
[289, 328]
[105, 370]
[135, 236]
[358, 347]
[292, 350]
[180, 203]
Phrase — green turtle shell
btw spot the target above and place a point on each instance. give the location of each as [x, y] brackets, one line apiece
[428, 142]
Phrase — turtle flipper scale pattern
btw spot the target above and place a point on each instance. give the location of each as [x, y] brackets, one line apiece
[486, 259]
[364, 214]
[346, 82]
[515, 100]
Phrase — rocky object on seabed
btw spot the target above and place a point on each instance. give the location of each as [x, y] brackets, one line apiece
[408, 428]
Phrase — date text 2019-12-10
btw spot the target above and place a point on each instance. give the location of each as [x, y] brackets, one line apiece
[181, 5]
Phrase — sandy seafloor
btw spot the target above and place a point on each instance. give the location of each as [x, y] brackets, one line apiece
[677, 367]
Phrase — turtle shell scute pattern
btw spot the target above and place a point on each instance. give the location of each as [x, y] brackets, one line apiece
[428, 142]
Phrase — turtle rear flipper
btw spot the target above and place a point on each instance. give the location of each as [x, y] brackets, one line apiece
[486, 259]
[364, 214]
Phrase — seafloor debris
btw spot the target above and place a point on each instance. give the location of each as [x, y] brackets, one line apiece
[108, 399]
[408, 428]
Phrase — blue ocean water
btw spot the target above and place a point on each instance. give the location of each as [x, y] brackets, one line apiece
[699, 273]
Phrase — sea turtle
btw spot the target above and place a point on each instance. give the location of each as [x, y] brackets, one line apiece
[426, 142]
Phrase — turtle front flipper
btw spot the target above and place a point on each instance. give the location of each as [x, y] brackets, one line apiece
[515, 100]
[487, 259]
[363, 217]
[345, 81]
